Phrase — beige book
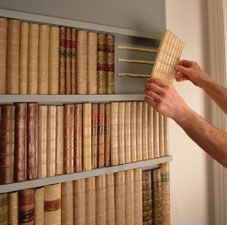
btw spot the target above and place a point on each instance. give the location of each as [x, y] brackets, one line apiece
[13, 208]
[156, 134]
[110, 199]
[121, 132]
[39, 206]
[23, 77]
[139, 131]
[161, 136]
[150, 133]
[3, 209]
[145, 131]
[68, 62]
[74, 60]
[127, 132]
[133, 132]
[101, 134]
[166, 147]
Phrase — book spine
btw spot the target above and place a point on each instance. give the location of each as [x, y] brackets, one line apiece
[74, 58]
[3, 209]
[166, 147]
[107, 133]
[67, 203]
[20, 171]
[3, 53]
[87, 136]
[43, 59]
[78, 165]
[150, 133]
[145, 131]
[62, 60]
[12, 208]
[23, 75]
[82, 59]
[92, 63]
[51, 140]
[26, 202]
[156, 134]
[69, 138]
[133, 132]
[39, 206]
[68, 60]
[110, 81]
[13, 57]
[33, 54]
[53, 79]
[79, 202]
[101, 63]
[52, 204]
[94, 143]
[101, 135]
[7, 115]
[161, 136]
[121, 132]
[127, 132]
[42, 141]
[110, 199]
[32, 140]
[139, 131]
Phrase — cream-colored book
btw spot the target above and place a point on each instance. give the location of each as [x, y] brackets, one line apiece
[127, 132]
[133, 132]
[39, 206]
[121, 132]
[145, 131]
[110, 199]
[139, 131]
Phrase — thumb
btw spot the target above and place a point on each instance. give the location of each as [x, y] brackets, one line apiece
[183, 70]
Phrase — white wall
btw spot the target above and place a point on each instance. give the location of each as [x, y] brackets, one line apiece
[189, 169]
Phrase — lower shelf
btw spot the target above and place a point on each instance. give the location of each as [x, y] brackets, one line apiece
[147, 164]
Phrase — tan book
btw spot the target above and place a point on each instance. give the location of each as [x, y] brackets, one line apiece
[166, 147]
[39, 206]
[110, 199]
[120, 198]
[94, 141]
[107, 133]
[62, 60]
[69, 138]
[161, 136]
[145, 131]
[74, 58]
[139, 131]
[121, 132]
[67, 203]
[82, 59]
[42, 143]
[3, 54]
[90, 198]
[101, 200]
[12, 208]
[133, 132]
[101, 135]
[156, 134]
[92, 63]
[52, 204]
[68, 63]
[59, 139]
[13, 57]
[150, 133]
[43, 59]
[51, 140]
[114, 134]
[3, 209]
[79, 202]
[127, 132]
[53, 79]
[23, 76]
[33, 55]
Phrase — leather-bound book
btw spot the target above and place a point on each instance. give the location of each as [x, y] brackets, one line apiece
[52, 204]
[43, 59]
[12, 208]
[33, 58]
[13, 57]
[94, 133]
[32, 140]
[139, 130]
[127, 132]
[150, 133]
[62, 60]
[107, 133]
[26, 202]
[68, 63]
[53, 78]
[101, 135]
[166, 128]
[121, 132]
[73, 62]
[68, 138]
[39, 206]
[145, 131]
[3, 209]
[161, 136]
[7, 116]
[110, 199]
[20, 170]
[133, 132]
[156, 134]
[23, 76]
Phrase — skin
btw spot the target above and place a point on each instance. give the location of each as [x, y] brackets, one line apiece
[165, 99]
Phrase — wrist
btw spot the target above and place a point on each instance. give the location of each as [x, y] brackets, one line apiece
[182, 115]
[204, 82]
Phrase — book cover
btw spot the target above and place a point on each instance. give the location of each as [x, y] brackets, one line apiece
[127, 132]
[161, 136]
[4, 209]
[133, 132]
[107, 133]
[139, 131]
[166, 147]
[110, 199]
[12, 208]
[121, 132]
[150, 133]
[39, 206]
[101, 135]
[145, 131]
[68, 63]
[62, 60]
[156, 133]
[74, 58]
[94, 141]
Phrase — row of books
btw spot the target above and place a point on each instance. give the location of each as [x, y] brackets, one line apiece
[45, 59]
[39, 141]
[129, 197]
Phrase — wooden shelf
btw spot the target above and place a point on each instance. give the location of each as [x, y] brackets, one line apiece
[147, 164]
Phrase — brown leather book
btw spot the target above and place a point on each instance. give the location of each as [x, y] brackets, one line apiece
[107, 133]
[68, 63]
[62, 60]
[7, 116]
[110, 199]
[145, 131]
[139, 130]
[127, 132]
[39, 206]
[101, 135]
[12, 208]
[74, 58]
[20, 172]
[133, 132]
[121, 132]
[4, 209]
[94, 141]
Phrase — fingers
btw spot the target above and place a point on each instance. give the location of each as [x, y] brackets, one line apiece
[154, 87]
[157, 81]
[155, 96]
[186, 63]
[182, 69]
[150, 102]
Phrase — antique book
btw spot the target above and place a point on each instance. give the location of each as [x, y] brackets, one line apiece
[107, 133]
[139, 131]
[68, 138]
[39, 206]
[129, 197]
[42, 141]
[120, 198]
[87, 136]
[12, 208]
[33, 55]
[23, 75]
[13, 57]
[101, 134]
[79, 202]
[51, 140]
[3, 53]
[133, 131]
[166, 147]
[32, 140]
[110, 80]
[52, 204]
[156, 133]
[92, 63]
[68, 62]
[78, 165]
[94, 133]
[59, 139]
[26, 203]
[145, 131]
[7, 116]
[82, 59]
[114, 134]
[67, 203]
[121, 132]
[62, 60]
[150, 133]
[73, 62]
[110, 199]
[161, 136]
[127, 132]
[43, 59]
[53, 78]
[90, 201]
[101, 200]
[101, 63]
[3, 209]
[20, 170]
